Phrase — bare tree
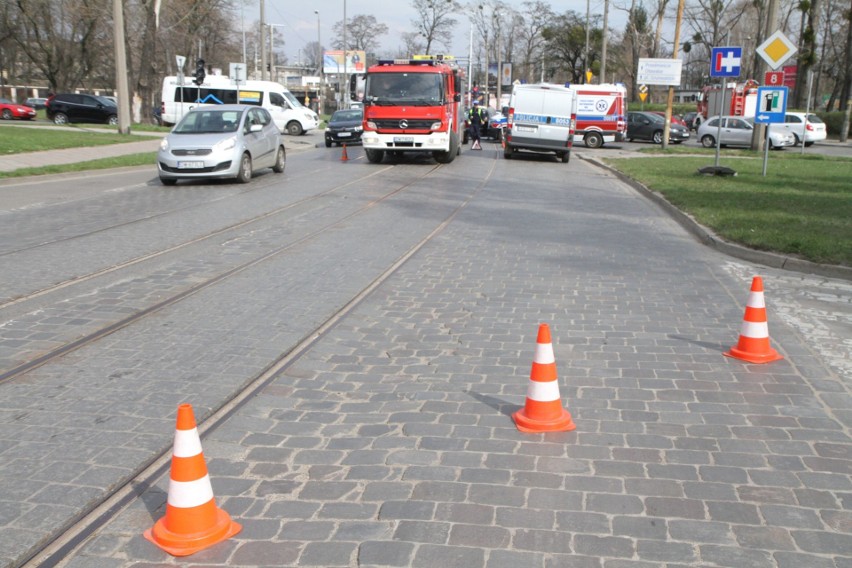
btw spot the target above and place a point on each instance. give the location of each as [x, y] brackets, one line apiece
[412, 43]
[362, 33]
[531, 22]
[434, 21]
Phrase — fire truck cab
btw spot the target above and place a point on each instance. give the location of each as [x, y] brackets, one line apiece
[412, 105]
[740, 99]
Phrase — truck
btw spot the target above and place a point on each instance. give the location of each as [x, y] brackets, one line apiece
[541, 118]
[181, 95]
[413, 105]
[601, 113]
[740, 99]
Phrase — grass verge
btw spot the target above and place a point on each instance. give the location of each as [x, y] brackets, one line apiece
[802, 207]
[19, 139]
[144, 159]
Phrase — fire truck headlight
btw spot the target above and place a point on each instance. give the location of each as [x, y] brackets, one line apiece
[435, 126]
[371, 125]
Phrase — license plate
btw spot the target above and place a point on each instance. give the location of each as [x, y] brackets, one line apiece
[520, 128]
[190, 165]
[403, 138]
[344, 134]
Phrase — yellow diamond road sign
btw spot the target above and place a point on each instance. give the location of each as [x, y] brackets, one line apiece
[776, 50]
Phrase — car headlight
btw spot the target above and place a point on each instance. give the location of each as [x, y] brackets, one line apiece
[359, 128]
[164, 145]
[225, 145]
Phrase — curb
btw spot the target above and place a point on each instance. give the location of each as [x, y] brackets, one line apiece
[709, 238]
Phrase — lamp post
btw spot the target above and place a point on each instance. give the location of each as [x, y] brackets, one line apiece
[319, 65]
[345, 87]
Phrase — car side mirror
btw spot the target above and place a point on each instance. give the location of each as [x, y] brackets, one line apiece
[256, 128]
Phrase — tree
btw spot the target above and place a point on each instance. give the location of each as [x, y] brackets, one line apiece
[434, 21]
[531, 22]
[566, 42]
[362, 34]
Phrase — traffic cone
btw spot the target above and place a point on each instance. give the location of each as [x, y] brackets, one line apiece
[193, 522]
[344, 157]
[753, 345]
[543, 410]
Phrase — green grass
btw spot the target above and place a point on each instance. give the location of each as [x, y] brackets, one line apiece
[18, 139]
[802, 207]
[144, 159]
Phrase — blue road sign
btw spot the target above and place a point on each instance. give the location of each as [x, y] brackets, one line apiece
[725, 61]
[771, 104]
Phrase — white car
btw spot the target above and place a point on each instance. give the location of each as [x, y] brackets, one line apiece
[221, 141]
[737, 131]
[813, 130]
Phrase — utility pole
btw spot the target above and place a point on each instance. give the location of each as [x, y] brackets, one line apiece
[586, 55]
[668, 123]
[603, 47]
[121, 68]
[263, 76]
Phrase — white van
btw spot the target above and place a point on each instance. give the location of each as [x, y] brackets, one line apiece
[541, 118]
[289, 114]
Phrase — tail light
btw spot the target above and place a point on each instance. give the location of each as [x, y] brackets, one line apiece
[809, 126]
[510, 117]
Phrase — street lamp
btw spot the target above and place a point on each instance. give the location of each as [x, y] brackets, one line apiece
[345, 87]
[319, 64]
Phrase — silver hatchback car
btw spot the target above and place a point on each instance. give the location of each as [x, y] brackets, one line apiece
[221, 141]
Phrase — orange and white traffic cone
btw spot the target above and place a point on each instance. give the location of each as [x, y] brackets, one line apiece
[753, 345]
[193, 522]
[543, 410]
[344, 157]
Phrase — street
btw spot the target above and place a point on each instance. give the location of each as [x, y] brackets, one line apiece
[354, 338]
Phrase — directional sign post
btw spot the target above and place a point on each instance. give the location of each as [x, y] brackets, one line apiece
[724, 62]
[771, 107]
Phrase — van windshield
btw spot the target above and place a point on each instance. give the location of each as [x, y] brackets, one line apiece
[423, 89]
[291, 98]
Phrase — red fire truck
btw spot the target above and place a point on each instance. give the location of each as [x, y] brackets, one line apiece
[412, 105]
[740, 99]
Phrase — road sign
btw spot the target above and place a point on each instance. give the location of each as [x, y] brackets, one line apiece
[180, 60]
[776, 50]
[771, 104]
[643, 89]
[725, 61]
[659, 71]
[773, 78]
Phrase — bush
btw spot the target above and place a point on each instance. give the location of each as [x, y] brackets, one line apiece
[833, 122]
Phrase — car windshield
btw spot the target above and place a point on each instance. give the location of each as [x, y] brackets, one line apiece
[208, 121]
[423, 89]
[5, 101]
[346, 115]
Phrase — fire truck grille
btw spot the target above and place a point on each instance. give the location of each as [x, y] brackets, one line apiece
[394, 124]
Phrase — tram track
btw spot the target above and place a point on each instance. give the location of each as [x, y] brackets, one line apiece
[94, 335]
[54, 552]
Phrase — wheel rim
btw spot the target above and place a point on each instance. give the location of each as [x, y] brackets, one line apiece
[245, 167]
[7, 115]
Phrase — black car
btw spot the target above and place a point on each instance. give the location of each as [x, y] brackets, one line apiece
[35, 102]
[73, 107]
[344, 127]
[649, 126]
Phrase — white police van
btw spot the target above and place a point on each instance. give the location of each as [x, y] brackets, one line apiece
[542, 118]
[287, 112]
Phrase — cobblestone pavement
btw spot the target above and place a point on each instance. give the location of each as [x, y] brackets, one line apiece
[389, 442]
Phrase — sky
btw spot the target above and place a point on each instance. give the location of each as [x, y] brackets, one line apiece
[297, 22]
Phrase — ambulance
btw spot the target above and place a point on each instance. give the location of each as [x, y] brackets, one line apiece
[601, 114]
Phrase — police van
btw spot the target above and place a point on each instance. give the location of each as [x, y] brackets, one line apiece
[541, 118]
[287, 112]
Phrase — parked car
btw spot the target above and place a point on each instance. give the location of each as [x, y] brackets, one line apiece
[345, 127]
[650, 125]
[494, 125]
[221, 141]
[689, 120]
[10, 110]
[35, 102]
[737, 131]
[675, 118]
[814, 128]
[73, 107]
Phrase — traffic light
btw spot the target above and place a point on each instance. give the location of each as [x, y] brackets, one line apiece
[200, 73]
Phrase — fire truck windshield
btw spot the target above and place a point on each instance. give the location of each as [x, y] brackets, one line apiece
[423, 89]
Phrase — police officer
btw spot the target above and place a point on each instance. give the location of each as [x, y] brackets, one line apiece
[475, 118]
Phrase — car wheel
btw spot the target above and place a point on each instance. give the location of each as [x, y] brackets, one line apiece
[112, 120]
[565, 157]
[708, 141]
[796, 140]
[450, 155]
[593, 140]
[327, 143]
[280, 160]
[244, 175]
[808, 144]
[7, 114]
[375, 156]
[657, 137]
[168, 181]
[508, 151]
[60, 118]
[294, 128]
